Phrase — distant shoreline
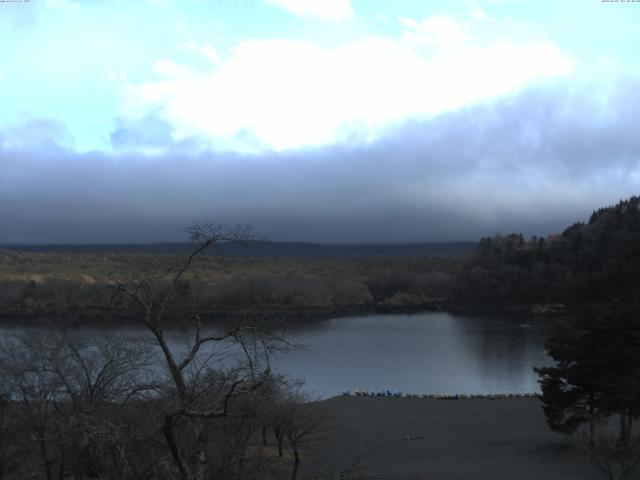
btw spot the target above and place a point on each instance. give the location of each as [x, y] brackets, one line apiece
[72, 288]
[275, 249]
[284, 317]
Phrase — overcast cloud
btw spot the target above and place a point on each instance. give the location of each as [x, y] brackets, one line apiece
[327, 121]
[532, 162]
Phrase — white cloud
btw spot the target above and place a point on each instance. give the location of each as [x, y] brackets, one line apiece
[324, 9]
[68, 6]
[440, 31]
[290, 94]
[116, 75]
[168, 68]
[205, 49]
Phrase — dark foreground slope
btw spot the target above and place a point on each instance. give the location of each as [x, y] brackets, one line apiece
[445, 439]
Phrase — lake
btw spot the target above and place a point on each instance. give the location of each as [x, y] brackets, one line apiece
[430, 353]
[420, 353]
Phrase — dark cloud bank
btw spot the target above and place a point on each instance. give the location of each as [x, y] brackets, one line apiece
[531, 163]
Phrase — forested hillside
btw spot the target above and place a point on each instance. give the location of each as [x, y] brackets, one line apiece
[598, 260]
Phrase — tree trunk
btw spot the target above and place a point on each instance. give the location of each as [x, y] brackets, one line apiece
[61, 472]
[201, 454]
[167, 429]
[43, 452]
[592, 426]
[279, 434]
[264, 436]
[624, 433]
[296, 461]
[174, 369]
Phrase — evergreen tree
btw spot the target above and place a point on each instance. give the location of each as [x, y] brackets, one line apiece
[597, 371]
[571, 393]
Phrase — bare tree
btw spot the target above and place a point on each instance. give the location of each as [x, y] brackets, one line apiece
[32, 390]
[294, 417]
[614, 458]
[89, 407]
[67, 395]
[8, 432]
[100, 378]
[200, 389]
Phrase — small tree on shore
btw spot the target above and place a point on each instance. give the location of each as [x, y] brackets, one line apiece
[294, 417]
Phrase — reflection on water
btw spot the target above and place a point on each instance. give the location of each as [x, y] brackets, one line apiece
[419, 353]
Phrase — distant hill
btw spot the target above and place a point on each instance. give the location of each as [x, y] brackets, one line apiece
[275, 249]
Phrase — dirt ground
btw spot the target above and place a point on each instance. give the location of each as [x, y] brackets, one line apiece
[415, 438]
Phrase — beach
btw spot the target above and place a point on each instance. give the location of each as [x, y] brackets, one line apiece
[418, 438]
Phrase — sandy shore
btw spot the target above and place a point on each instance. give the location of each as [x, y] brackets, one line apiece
[407, 438]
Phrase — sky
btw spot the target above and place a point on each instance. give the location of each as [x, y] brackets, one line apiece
[316, 120]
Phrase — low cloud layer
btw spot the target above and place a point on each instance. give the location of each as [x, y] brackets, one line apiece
[533, 163]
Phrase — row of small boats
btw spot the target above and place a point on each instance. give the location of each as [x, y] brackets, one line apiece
[446, 396]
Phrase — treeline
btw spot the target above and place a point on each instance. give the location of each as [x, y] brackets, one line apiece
[589, 261]
[596, 370]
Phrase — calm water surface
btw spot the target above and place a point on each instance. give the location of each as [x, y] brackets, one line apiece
[418, 353]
